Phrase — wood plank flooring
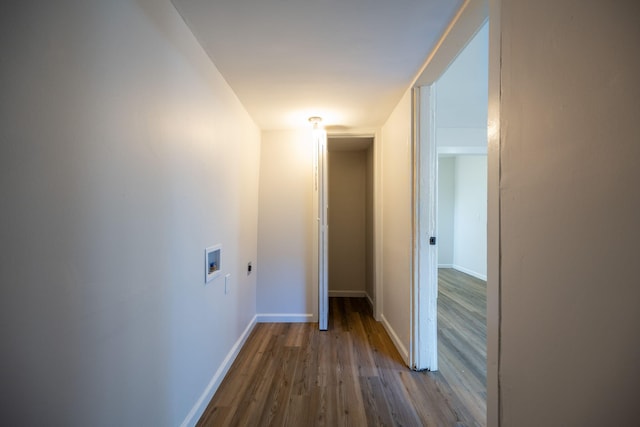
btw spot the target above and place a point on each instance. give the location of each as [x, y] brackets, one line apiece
[462, 340]
[351, 375]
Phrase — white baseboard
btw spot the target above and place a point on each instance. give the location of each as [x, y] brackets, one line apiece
[285, 318]
[198, 409]
[370, 300]
[351, 294]
[462, 150]
[445, 265]
[470, 272]
[396, 341]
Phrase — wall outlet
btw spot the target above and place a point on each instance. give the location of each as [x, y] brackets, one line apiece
[227, 283]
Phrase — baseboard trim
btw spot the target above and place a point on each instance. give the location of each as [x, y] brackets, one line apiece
[350, 294]
[445, 265]
[285, 318]
[462, 150]
[370, 300]
[396, 341]
[470, 272]
[198, 409]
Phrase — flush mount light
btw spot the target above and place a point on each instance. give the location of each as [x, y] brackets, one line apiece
[315, 120]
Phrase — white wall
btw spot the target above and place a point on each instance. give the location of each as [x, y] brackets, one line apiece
[470, 216]
[123, 155]
[287, 289]
[462, 214]
[347, 222]
[569, 210]
[397, 223]
[446, 210]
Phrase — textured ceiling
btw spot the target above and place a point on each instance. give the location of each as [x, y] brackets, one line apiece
[348, 61]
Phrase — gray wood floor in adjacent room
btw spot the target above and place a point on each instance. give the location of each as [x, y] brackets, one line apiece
[462, 340]
[292, 374]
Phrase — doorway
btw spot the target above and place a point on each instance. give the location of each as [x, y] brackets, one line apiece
[350, 218]
[451, 119]
[450, 169]
[461, 110]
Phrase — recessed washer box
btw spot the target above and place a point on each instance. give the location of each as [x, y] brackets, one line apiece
[212, 262]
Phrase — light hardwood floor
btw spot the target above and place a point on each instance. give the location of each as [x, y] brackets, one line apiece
[350, 375]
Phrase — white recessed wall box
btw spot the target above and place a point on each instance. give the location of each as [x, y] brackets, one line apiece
[212, 262]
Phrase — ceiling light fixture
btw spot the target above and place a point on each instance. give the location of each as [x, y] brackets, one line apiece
[316, 121]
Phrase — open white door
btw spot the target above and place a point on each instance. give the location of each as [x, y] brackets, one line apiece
[320, 138]
[424, 348]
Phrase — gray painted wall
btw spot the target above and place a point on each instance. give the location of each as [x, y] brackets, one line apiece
[370, 226]
[462, 214]
[470, 216]
[570, 206]
[446, 209]
[347, 221]
[123, 154]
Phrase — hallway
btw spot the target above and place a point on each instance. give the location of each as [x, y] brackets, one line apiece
[292, 374]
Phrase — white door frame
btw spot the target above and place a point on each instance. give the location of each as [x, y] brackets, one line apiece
[321, 203]
[424, 321]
